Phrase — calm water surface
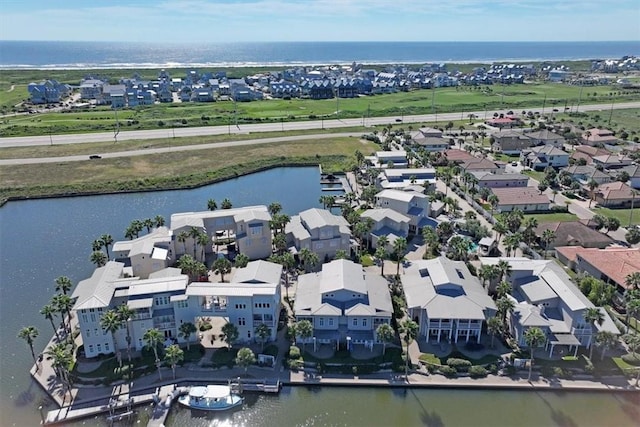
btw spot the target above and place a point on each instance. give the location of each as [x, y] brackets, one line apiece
[43, 239]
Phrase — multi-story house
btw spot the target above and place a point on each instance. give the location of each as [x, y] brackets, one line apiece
[446, 300]
[402, 178]
[408, 203]
[146, 254]
[545, 297]
[386, 222]
[500, 180]
[344, 303]
[319, 231]
[539, 158]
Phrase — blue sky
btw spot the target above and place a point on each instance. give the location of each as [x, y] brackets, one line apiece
[320, 20]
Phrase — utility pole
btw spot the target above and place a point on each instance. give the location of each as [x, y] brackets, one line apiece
[50, 136]
[611, 113]
[117, 129]
[633, 198]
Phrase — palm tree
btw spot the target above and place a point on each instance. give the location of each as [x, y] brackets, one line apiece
[241, 261]
[29, 334]
[410, 330]
[593, 185]
[341, 254]
[226, 204]
[173, 355]
[158, 220]
[494, 327]
[106, 240]
[61, 359]
[152, 338]
[430, 239]
[182, 238]
[493, 201]
[384, 334]
[245, 358]
[229, 333]
[512, 243]
[221, 266]
[49, 312]
[533, 337]
[381, 254]
[605, 340]
[399, 247]
[148, 224]
[274, 208]
[99, 258]
[304, 329]
[307, 258]
[126, 315]
[548, 236]
[111, 322]
[212, 205]
[263, 332]
[203, 240]
[504, 268]
[186, 330]
[501, 229]
[593, 316]
[63, 304]
[503, 289]
[280, 243]
[96, 245]
[63, 284]
[633, 280]
[505, 305]
[194, 232]
[288, 262]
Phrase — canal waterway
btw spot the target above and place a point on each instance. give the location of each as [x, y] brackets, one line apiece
[43, 239]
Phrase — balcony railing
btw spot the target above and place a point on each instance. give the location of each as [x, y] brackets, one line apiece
[164, 325]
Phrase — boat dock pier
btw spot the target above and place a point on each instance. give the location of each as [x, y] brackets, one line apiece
[263, 386]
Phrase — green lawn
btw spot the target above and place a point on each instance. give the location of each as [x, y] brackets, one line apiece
[553, 217]
[538, 176]
[623, 215]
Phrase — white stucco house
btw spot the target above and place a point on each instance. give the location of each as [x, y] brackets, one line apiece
[320, 231]
[409, 203]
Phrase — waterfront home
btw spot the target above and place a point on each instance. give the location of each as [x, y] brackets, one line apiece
[248, 227]
[446, 300]
[91, 88]
[612, 265]
[319, 231]
[113, 95]
[146, 254]
[539, 158]
[386, 222]
[344, 304]
[500, 180]
[47, 92]
[402, 178]
[545, 297]
[615, 195]
[411, 204]
[526, 199]
[573, 233]
[166, 299]
[383, 159]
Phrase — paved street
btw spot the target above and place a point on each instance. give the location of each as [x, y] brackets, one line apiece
[265, 127]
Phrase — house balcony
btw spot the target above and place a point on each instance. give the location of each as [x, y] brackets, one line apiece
[142, 316]
[213, 308]
[164, 325]
[257, 323]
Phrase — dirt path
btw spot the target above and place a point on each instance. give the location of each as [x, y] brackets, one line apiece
[11, 88]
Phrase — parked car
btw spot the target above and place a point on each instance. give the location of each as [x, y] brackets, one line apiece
[94, 157]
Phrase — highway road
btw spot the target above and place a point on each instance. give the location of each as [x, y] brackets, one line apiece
[265, 127]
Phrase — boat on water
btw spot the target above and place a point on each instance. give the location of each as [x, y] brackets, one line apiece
[211, 398]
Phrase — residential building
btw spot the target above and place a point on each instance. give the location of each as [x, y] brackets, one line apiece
[383, 159]
[47, 92]
[500, 180]
[587, 153]
[412, 204]
[248, 227]
[526, 199]
[573, 233]
[91, 88]
[587, 173]
[386, 222]
[446, 300]
[612, 161]
[596, 136]
[480, 165]
[511, 142]
[546, 137]
[504, 122]
[146, 254]
[458, 156]
[539, 158]
[401, 178]
[615, 195]
[612, 265]
[319, 231]
[545, 298]
[634, 175]
[344, 304]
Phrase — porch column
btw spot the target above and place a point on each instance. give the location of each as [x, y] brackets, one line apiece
[451, 331]
[479, 333]
[468, 332]
[575, 353]
[439, 331]
[551, 351]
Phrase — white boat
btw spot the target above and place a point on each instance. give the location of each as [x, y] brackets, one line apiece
[211, 398]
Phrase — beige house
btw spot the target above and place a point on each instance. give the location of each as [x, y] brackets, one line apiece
[320, 231]
[408, 203]
[527, 199]
[386, 222]
[146, 254]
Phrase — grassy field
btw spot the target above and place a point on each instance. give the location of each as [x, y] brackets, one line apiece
[490, 98]
[173, 170]
[623, 215]
[553, 217]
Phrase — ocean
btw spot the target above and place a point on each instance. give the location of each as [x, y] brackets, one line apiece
[65, 55]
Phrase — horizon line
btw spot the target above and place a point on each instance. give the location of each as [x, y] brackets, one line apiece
[328, 41]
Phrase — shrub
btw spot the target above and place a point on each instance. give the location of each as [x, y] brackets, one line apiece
[460, 365]
[429, 359]
[510, 370]
[478, 371]
[493, 369]
[448, 371]
[294, 352]
[557, 208]
[631, 359]
[294, 365]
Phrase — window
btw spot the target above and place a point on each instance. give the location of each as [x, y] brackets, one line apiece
[88, 332]
[321, 321]
[85, 319]
[90, 348]
[241, 321]
[355, 322]
[93, 317]
[106, 347]
[95, 332]
[99, 348]
[331, 321]
[460, 275]
[364, 322]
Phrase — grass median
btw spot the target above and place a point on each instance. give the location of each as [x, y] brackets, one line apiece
[181, 169]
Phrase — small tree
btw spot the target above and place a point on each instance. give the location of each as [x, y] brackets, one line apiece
[304, 329]
[221, 266]
[241, 261]
[605, 340]
[384, 333]
[494, 327]
[29, 334]
[409, 329]
[173, 355]
[152, 338]
[245, 358]
[229, 334]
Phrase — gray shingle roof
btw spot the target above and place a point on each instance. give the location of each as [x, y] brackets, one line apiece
[97, 290]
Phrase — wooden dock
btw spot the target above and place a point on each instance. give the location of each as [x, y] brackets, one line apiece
[263, 386]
